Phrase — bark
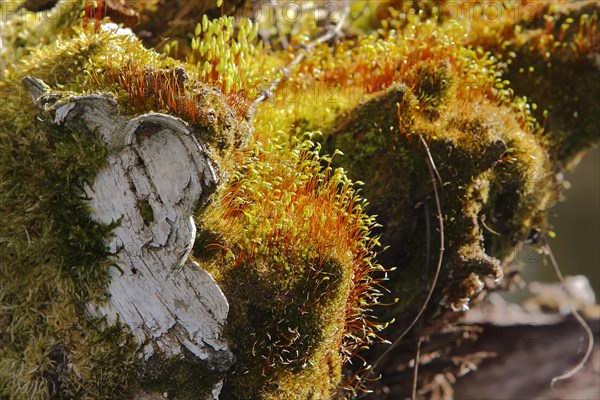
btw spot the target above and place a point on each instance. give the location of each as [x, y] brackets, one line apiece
[529, 356]
[514, 354]
[157, 175]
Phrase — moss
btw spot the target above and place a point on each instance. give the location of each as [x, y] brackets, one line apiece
[287, 337]
[543, 45]
[288, 237]
[570, 111]
[54, 258]
[368, 149]
[486, 142]
[146, 212]
[431, 89]
[181, 378]
[291, 250]
[487, 162]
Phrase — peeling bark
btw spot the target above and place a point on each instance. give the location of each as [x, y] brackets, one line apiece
[156, 176]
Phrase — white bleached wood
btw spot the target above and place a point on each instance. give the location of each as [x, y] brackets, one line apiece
[157, 175]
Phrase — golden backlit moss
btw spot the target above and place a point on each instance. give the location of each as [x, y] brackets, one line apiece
[288, 236]
[289, 243]
[326, 83]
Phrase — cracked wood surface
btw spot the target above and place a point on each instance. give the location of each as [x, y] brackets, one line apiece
[157, 175]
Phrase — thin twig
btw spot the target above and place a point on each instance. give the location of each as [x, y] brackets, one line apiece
[482, 220]
[427, 264]
[307, 48]
[433, 173]
[590, 336]
[428, 237]
[416, 368]
[431, 164]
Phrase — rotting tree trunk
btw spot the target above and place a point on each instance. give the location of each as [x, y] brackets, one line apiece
[157, 176]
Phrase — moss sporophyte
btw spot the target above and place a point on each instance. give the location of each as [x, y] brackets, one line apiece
[288, 234]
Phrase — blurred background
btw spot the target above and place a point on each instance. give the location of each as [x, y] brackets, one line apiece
[576, 222]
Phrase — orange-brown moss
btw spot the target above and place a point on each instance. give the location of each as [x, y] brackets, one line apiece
[296, 261]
